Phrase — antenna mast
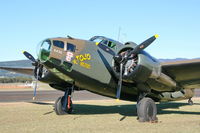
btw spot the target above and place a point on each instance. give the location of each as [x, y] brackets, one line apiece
[119, 33]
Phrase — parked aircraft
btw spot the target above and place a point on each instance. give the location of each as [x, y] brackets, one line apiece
[107, 67]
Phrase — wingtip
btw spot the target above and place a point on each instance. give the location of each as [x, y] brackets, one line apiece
[23, 52]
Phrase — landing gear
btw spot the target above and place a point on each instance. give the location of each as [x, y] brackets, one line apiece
[190, 102]
[64, 105]
[146, 109]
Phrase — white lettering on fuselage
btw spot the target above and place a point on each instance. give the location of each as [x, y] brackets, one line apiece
[57, 51]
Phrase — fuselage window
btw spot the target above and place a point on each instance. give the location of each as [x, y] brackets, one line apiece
[111, 44]
[108, 43]
[71, 47]
[105, 42]
[59, 44]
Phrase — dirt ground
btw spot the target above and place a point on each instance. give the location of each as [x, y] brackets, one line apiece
[23, 87]
[97, 116]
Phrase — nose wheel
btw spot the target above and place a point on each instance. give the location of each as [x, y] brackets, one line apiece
[64, 105]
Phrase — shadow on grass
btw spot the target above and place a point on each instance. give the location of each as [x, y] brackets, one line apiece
[42, 103]
[124, 110]
[172, 105]
[129, 110]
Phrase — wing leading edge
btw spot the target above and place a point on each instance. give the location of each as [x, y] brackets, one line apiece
[28, 71]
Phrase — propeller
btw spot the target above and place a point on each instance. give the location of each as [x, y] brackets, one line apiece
[29, 56]
[123, 59]
[37, 65]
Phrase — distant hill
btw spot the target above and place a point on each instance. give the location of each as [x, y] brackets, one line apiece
[171, 60]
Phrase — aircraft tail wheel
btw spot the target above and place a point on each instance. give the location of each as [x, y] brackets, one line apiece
[147, 110]
[58, 107]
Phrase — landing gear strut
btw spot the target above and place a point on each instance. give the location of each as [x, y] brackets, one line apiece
[64, 105]
[146, 109]
[190, 102]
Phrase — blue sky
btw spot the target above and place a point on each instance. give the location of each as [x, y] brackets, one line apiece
[24, 23]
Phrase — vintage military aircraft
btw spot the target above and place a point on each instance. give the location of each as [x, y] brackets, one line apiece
[110, 68]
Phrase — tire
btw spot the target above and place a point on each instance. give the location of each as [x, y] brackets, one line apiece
[147, 110]
[58, 107]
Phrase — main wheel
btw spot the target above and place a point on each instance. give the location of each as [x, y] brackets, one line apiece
[147, 110]
[58, 107]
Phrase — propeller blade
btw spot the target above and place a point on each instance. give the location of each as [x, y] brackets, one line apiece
[119, 82]
[142, 46]
[35, 89]
[29, 56]
[136, 50]
[36, 83]
[35, 63]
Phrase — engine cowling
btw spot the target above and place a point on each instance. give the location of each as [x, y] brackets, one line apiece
[142, 67]
[46, 76]
[137, 68]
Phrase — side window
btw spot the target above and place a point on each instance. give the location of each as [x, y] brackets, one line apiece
[71, 47]
[111, 44]
[59, 44]
[105, 42]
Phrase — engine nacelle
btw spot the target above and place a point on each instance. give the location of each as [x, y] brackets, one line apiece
[143, 68]
[46, 76]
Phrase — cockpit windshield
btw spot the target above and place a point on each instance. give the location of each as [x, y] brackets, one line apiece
[44, 50]
[97, 39]
[103, 40]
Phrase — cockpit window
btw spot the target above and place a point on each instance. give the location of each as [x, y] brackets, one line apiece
[44, 50]
[111, 44]
[46, 45]
[71, 47]
[59, 44]
[97, 40]
[103, 40]
[108, 43]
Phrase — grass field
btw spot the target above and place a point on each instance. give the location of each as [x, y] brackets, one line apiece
[98, 116]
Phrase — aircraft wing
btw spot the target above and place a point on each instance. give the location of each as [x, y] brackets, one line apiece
[26, 70]
[186, 73]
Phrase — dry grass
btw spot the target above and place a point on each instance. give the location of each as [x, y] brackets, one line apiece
[98, 116]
